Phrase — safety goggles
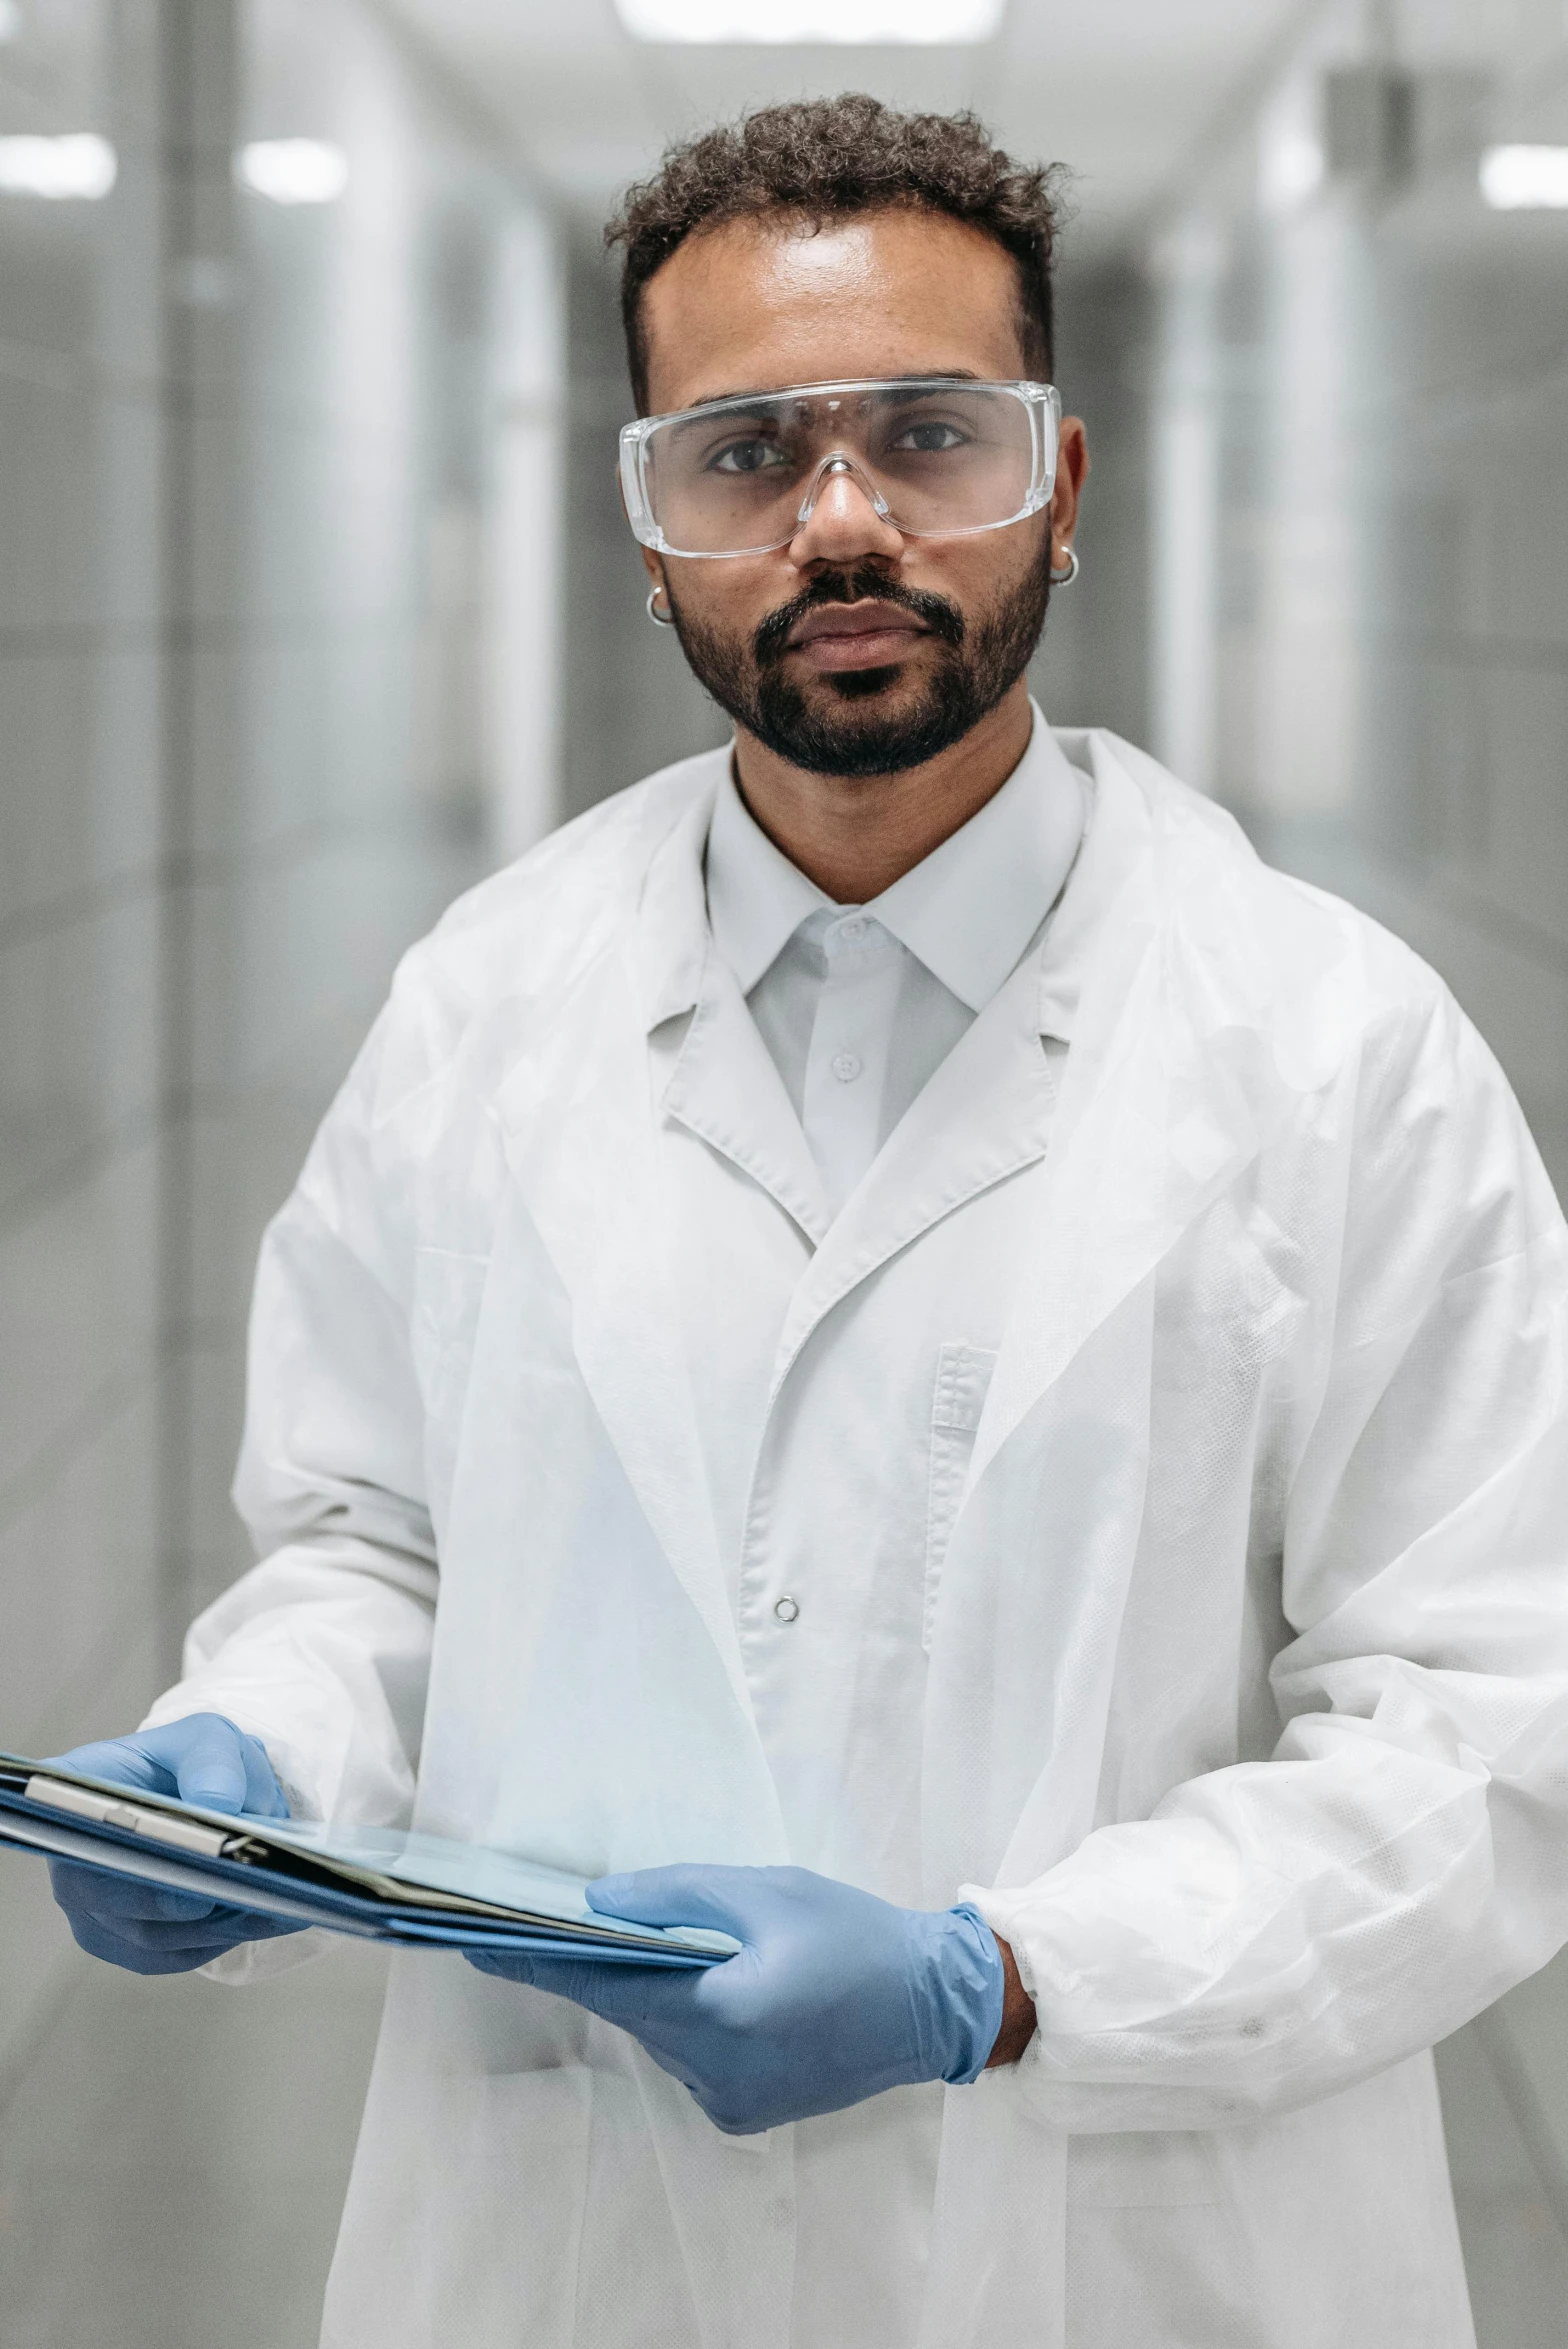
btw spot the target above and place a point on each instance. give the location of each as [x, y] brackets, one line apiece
[936, 456]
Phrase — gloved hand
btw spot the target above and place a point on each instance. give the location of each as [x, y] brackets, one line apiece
[833, 1997]
[205, 1760]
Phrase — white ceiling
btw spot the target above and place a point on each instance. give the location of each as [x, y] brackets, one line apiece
[1124, 91]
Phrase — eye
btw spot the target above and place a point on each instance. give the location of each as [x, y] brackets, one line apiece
[746, 456]
[932, 438]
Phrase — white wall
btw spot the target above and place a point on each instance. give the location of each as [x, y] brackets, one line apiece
[258, 482]
[1362, 603]
[83, 903]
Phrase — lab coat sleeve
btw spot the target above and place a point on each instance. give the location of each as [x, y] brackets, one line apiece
[322, 1650]
[1278, 1930]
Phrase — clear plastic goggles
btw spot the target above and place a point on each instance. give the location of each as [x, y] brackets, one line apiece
[937, 456]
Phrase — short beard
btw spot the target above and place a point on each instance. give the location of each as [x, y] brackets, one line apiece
[973, 672]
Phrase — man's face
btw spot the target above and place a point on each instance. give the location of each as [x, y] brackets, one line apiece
[853, 650]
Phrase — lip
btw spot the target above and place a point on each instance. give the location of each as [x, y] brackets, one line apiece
[867, 635]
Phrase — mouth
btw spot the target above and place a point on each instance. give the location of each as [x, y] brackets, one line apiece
[869, 635]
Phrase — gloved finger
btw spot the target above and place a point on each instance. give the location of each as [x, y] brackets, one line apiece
[217, 1765]
[121, 1904]
[122, 1763]
[136, 1958]
[504, 1965]
[102, 1894]
[264, 1796]
[207, 1756]
[207, 1935]
[637, 1998]
[202, 1758]
[722, 1899]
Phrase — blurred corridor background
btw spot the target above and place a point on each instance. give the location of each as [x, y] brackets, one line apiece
[316, 602]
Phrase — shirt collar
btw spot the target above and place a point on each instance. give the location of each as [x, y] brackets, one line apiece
[967, 911]
[757, 899]
[970, 908]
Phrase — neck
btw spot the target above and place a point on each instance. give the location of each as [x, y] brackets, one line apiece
[856, 835]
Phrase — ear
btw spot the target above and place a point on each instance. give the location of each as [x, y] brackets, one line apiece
[1072, 471]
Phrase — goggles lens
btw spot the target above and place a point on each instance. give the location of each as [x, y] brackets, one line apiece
[934, 456]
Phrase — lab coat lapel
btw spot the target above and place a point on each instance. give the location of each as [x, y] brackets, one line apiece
[726, 1090]
[724, 1087]
[582, 1146]
[983, 1116]
[1153, 1123]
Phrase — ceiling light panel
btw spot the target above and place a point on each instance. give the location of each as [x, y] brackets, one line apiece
[781, 22]
[1525, 179]
[292, 171]
[79, 165]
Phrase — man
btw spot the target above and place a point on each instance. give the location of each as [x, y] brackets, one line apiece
[896, 1342]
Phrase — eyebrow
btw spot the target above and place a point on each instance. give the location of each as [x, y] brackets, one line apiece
[782, 390]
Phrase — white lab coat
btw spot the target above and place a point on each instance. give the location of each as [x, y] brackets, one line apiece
[1177, 1515]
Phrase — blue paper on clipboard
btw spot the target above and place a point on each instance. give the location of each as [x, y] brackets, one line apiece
[379, 1883]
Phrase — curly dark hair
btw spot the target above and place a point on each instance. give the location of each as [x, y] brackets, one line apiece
[827, 157]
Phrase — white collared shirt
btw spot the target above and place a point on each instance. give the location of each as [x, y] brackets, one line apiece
[860, 1005]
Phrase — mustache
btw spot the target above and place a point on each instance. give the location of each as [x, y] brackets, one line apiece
[944, 620]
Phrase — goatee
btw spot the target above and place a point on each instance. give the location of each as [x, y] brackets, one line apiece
[841, 731]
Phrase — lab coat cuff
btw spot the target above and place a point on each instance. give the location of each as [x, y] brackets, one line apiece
[995, 1908]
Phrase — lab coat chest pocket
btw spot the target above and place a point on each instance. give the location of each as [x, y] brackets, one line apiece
[963, 1374]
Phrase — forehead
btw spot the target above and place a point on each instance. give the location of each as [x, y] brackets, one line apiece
[757, 304]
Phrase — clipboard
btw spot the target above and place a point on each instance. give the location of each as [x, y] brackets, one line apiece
[377, 1883]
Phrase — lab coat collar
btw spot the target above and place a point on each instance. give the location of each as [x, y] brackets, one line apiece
[967, 911]
[718, 1079]
[1114, 836]
[985, 1113]
[726, 1089]
[670, 943]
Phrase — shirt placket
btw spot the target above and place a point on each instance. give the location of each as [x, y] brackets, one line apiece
[846, 1065]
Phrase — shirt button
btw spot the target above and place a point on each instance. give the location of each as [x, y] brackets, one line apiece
[847, 1066]
[852, 931]
[786, 1609]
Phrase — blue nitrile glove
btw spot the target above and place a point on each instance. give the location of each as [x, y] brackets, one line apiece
[204, 1760]
[833, 1997]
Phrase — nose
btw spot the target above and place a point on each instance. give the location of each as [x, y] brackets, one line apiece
[843, 518]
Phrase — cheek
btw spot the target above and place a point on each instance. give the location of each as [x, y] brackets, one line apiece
[730, 599]
[980, 571]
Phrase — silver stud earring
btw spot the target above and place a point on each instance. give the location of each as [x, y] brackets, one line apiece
[667, 619]
[1068, 572]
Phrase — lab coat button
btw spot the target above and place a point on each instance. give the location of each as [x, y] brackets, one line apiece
[786, 1609]
[847, 1066]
